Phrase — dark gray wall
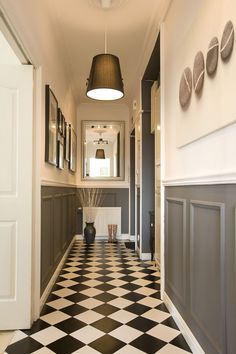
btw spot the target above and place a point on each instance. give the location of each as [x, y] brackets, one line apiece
[132, 184]
[200, 276]
[148, 188]
[112, 197]
[58, 216]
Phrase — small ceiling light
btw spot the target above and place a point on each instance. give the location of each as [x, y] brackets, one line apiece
[105, 82]
[100, 141]
[100, 154]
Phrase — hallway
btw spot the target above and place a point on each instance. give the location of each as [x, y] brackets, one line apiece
[105, 301]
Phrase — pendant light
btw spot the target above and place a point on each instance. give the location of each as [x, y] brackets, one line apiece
[100, 154]
[105, 82]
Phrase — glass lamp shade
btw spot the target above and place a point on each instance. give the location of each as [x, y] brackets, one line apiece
[105, 81]
[100, 154]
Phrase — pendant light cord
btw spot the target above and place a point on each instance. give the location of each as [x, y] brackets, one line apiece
[106, 39]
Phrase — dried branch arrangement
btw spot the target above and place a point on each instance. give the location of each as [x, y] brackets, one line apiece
[90, 197]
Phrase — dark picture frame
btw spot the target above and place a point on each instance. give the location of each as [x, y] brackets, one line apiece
[60, 121]
[67, 142]
[51, 126]
[73, 149]
[60, 153]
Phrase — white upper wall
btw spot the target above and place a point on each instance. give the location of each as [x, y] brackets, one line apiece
[189, 26]
[33, 28]
[104, 112]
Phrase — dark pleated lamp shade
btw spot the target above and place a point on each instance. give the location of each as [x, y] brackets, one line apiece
[100, 154]
[105, 81]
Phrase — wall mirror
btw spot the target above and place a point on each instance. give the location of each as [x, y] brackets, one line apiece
[103, 150]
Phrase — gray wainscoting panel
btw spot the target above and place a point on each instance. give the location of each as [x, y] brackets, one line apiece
[58, 216]
[210, 257]
[57, 231]
[46, 240]
[175, 272]
[207, 268]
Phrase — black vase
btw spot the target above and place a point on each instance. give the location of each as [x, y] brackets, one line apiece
[89, 232]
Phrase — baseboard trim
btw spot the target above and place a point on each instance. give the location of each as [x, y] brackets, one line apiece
[183, 327]
[54, 277]
[102, 238]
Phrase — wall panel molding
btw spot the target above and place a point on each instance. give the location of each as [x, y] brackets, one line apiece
[176, 263]
[57, 227]
[207, 269]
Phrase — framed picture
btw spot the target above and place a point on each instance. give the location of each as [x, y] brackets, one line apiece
[67, 141]
[63, 126]
[73, 149]
[60, 153]
[60, 121]
[51, 110]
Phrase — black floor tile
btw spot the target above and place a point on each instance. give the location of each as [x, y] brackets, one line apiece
[105, 297]
[70, 325]
[107, 344]
[132, 296]
[148, 344]
[181, 343]
[74, 310]
[36, 327]
[142, 324]
[77, 297]
[65, 345]
[106, 324]
[106, 309]
[24, 346]
[138, 309]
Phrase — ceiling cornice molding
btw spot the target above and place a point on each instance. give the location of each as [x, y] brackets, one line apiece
[153, 29]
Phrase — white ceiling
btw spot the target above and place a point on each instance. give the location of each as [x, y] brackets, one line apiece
[80, 25]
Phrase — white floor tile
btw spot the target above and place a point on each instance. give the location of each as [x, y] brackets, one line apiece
[90, 303]
[89, 316]
[92, 283]
[164, 332]
[171, 349]
[64, 292]
[122, 316]
[87, 334]
[125, 333]
[128, 349]
[60, 303]
[55, 317]
[67, 283]
[150, 301]
[120, 303]
[156, 315]
[48, 335]
[18, 335]
[145, 291]
[118, 291]
[86, 350]
[91, 292]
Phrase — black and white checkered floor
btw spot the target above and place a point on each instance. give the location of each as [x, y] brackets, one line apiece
[105, 301]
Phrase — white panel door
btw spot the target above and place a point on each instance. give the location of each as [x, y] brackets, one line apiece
[16, 115]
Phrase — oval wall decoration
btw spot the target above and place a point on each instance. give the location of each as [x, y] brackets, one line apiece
[198, 72]
[212, 56]
[185, 87]
[227, 41]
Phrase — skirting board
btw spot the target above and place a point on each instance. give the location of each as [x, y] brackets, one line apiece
[101, 238]
[183, 327]
[55, 276]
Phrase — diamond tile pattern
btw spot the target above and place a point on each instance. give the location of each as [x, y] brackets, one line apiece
[105, 301]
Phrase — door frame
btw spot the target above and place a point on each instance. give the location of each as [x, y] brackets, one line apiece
[15, 43]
